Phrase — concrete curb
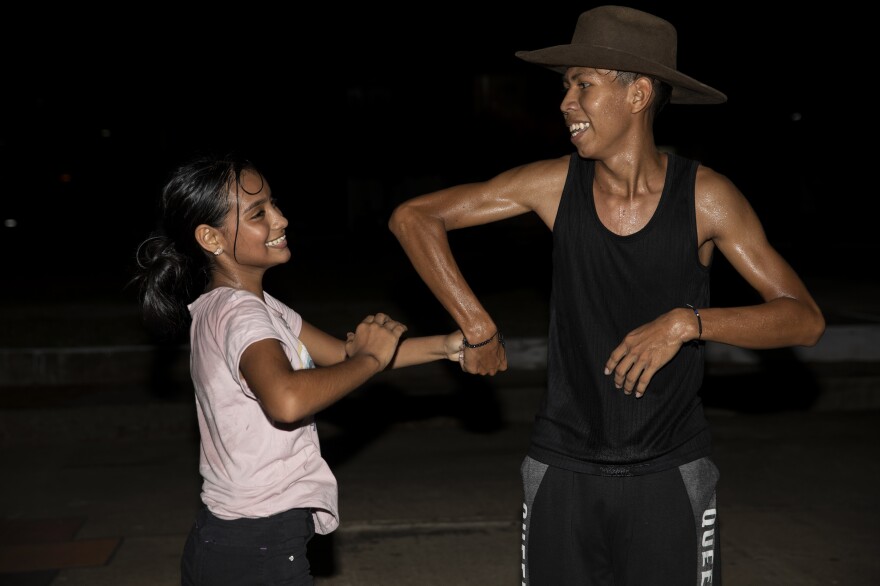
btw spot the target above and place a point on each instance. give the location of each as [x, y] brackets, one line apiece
[139, 364]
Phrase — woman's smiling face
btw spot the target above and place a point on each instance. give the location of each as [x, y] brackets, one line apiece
[255, 226]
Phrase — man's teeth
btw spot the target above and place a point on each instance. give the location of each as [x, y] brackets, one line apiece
[278, 240]
[578, 127]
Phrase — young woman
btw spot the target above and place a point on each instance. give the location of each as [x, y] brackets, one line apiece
[254, 364]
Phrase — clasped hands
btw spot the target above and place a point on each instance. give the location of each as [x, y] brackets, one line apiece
[380, 335]
[489, 359]
[377, 336]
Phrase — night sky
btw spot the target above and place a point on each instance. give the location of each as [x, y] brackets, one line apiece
[97, 107]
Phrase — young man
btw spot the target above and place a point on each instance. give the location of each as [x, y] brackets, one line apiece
[619, 487]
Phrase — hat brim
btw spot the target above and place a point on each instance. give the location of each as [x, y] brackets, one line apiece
[685, 89]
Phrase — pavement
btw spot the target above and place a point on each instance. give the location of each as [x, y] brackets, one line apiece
[99, 446]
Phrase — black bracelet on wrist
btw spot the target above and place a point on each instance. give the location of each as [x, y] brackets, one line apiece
[699, 321]
[465, 343]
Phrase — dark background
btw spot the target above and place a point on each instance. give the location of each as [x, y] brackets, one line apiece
[350, 110]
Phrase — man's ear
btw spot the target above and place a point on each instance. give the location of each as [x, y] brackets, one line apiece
[209, 238]
[642, 92]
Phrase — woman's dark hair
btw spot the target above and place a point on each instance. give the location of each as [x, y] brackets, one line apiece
[172, 269]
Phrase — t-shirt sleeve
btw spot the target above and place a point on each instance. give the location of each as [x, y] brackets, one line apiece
[247, 321]
[293, 319]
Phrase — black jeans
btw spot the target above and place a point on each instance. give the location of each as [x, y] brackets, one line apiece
[248, 552]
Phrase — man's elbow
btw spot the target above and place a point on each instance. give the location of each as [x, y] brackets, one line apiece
[402, 219]
[810, 324]
[816, 330]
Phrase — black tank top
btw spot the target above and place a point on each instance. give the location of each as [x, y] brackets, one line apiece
[604, 286]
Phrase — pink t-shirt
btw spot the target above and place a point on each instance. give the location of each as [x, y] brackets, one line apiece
[250, 467]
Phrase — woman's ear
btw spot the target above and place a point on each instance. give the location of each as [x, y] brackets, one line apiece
[209, 239]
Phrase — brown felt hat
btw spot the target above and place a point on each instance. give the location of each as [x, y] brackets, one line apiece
[626, 39]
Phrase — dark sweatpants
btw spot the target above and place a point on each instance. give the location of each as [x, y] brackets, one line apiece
[650, 530]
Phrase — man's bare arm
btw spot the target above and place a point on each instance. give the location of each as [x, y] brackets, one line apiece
[788, 316]
[421, 225]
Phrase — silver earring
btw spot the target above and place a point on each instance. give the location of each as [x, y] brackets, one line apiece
[218, 252]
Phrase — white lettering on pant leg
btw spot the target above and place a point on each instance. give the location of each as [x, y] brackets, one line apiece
[708, 546]
[708, 538]
[523, 547]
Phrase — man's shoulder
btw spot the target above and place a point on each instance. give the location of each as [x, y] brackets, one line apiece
[710, 181]
[545, 165]
[537, 175]
[716, 194]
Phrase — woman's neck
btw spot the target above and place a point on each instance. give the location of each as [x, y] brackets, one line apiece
[219, 279]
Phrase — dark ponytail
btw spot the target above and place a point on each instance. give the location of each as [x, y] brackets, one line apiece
[172, 270]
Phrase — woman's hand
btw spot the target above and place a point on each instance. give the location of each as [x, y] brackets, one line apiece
[376, 336]
[452, 345]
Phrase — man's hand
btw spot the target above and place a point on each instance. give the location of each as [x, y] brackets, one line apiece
[646, 349]
[488, 359]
